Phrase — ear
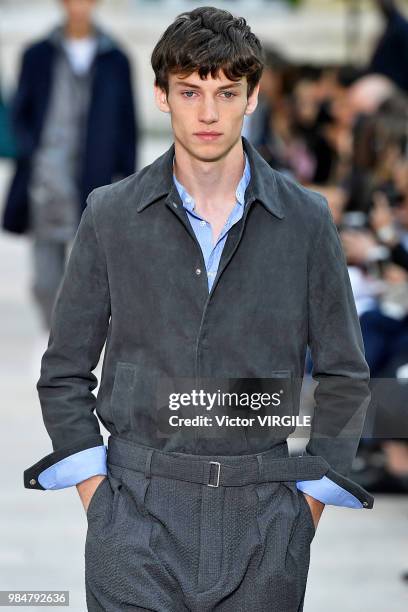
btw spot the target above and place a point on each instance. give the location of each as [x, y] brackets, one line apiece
[252, 101]
[160, 97]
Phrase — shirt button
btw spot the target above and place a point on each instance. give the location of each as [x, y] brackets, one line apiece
[203, 222]
[33, 481]
[198, 271]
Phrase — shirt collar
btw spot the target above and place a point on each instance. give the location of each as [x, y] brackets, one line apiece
[188, 201]
[155, 183]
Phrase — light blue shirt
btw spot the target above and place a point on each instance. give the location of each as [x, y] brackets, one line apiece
[92, 461]
[202, 228]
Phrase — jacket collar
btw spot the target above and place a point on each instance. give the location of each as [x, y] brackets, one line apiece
[158, 182]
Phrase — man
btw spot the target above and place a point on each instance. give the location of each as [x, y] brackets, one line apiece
[75, 125]
[206, 266]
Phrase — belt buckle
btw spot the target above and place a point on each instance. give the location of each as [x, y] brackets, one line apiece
[218, 474]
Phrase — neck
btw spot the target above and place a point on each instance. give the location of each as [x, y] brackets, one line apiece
[78, 30]
[210, 183]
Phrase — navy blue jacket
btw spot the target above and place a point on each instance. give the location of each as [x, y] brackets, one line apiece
[110, 137]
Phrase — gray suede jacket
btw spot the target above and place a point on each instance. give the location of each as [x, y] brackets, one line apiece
[136, 279]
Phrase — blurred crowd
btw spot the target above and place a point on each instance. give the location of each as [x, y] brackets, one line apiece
[343, 131]
[338, 129]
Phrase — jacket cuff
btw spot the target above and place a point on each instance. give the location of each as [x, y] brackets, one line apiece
[336, 490]
[32, 474]
[75, 468]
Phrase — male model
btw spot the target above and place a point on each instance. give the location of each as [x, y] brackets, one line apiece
[75, 125]
[205, 266]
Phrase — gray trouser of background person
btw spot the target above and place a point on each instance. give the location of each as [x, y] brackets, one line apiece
[160, 539]
[49, 261]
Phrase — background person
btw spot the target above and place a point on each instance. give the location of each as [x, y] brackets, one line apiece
[75, 125]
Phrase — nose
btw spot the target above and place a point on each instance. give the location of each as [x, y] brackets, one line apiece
[208, 112]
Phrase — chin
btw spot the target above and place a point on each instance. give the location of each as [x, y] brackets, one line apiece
[209, 152]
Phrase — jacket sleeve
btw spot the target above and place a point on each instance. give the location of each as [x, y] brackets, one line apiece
[22, 107]
[78, 332]
[74, 468]
[342, 394]
[129, 132]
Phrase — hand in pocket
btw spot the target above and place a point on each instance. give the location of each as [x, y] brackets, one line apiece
[87, 489]
[316, 508]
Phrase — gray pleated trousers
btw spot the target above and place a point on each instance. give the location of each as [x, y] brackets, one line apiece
[168, 544]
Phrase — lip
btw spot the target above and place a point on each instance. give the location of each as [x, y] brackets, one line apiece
[208, 135]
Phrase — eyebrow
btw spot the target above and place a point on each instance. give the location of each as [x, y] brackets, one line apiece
[193, 86]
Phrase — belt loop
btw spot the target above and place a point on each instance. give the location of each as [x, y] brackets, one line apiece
[148, 463]
[260, 467]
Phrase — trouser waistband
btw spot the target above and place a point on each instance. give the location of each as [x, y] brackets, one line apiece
[215, 470]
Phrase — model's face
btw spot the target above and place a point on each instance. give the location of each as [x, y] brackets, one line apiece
[79, 12]
[206, 115]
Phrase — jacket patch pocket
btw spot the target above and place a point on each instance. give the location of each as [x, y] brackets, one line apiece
[122, 398]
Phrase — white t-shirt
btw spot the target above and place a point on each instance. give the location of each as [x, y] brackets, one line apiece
[80, 52]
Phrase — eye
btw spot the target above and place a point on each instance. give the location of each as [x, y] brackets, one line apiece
[229, 94]
[186, 94]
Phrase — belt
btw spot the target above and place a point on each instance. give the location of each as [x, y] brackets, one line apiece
[216, 471]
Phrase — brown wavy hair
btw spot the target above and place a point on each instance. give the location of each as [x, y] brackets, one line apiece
[207, 40]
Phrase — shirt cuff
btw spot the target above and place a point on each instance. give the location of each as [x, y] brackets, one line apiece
[328, 492]
[75, 468]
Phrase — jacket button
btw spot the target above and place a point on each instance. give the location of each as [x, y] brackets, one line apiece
[365, 504]
[33, 481]
[175, 204]
[198, 271]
